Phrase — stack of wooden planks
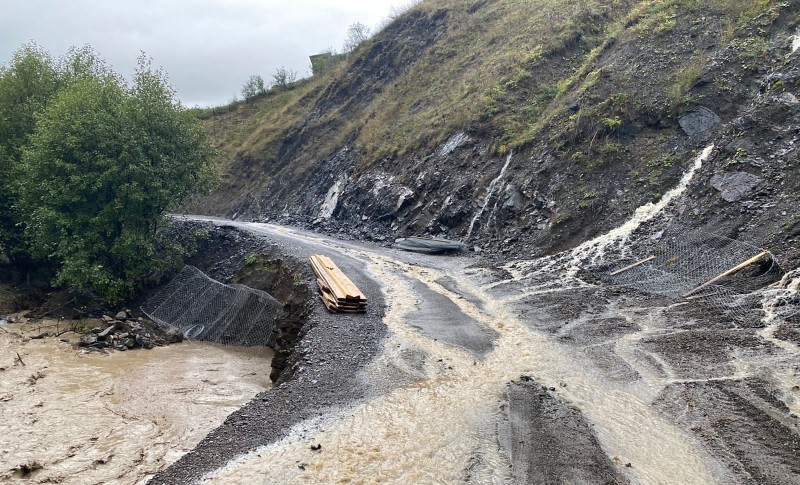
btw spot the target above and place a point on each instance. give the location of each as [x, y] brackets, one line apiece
[338, 293]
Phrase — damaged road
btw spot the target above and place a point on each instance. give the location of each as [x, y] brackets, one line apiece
[427, 387]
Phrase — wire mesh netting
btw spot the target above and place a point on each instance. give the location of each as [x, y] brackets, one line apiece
[205, 309]
[729, 276]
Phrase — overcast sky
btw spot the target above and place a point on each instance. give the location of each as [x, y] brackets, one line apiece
[207, 47]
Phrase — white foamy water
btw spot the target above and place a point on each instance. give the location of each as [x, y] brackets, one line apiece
[795, 43]
[489, 192]
[594, 249]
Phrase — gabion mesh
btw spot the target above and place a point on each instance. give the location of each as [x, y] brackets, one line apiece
[683, 261]
[205, 309]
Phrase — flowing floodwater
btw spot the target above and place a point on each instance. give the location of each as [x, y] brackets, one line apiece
[80, 417]
[444, 413]
[427, 431]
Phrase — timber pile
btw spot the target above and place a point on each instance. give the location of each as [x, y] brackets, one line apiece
[337, 292]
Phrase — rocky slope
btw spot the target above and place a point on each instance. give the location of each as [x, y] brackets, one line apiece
[528, 127]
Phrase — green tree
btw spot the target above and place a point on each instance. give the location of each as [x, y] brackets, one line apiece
[103, 165]
[26, 86]
[283, 77]
[253, 87]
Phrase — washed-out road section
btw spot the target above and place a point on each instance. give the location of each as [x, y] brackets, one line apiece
[461, 373]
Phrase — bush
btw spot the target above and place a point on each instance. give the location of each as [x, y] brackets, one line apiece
[253, 87]
[99, 168]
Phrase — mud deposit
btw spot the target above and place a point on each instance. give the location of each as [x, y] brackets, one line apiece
[549, 441]
[623, 387]
[76, 417]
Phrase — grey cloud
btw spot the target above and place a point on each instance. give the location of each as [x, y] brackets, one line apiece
[208, 47]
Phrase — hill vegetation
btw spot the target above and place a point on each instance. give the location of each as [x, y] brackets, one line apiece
[587, 97]
[90, 165]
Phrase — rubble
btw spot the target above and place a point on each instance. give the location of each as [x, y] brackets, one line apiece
[124, 332]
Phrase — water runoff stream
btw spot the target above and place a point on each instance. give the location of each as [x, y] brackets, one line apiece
[613, 358]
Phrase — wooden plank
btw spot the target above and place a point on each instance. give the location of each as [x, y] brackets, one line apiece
[631, 266]
[727, 273]
[348, 288]
[337, 291]
[327, 304]
[342, 287]
[351, 289]
[323, 274]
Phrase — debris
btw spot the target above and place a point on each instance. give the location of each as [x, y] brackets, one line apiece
[428, 245]
[88, 339]
[316, 447]
[337, 292]
[631, 266]
[735, 269]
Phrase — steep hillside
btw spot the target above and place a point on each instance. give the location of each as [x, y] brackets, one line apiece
[529, 126]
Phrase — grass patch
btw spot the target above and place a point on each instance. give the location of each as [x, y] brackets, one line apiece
[684, 79]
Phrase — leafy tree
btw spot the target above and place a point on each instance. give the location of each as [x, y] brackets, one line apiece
[356, 35]
[253, 87]
[283, 77]
[102, 166]
[26, 86]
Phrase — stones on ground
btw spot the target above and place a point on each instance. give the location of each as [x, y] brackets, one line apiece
[699, 121]
[173, 335]
[88, 339]
[127, 333]
[733, 186]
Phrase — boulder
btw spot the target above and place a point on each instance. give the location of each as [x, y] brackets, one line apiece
[733, 186]
[699, 121]
[88, 339]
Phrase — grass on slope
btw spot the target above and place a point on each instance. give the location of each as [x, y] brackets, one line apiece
[506, 68]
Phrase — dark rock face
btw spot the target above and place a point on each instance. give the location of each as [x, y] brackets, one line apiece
[578, 177]
[734, 186]
[700, 120]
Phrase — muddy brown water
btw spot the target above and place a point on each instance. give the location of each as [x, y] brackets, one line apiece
[427, 431]
[75, 417]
